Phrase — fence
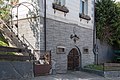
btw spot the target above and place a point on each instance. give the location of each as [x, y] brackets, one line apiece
[111, 67]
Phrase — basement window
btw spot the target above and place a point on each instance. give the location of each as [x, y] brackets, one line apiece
[85, 50]
[60, 50]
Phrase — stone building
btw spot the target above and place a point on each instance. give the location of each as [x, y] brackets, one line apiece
[69, 33]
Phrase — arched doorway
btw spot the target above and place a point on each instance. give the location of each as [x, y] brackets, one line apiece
[73, 59]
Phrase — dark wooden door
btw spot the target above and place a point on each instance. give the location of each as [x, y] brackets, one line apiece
[73, 60]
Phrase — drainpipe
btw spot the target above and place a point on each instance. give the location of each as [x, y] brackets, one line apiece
[45, 25]
[94, 40]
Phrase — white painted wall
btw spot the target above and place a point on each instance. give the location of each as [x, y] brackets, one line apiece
[73, 15]
[24, 26]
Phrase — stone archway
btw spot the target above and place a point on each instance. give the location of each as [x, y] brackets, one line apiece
[73, 60]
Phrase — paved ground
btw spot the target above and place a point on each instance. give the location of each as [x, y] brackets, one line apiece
[76, 75]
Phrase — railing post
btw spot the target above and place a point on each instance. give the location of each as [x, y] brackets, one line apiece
[23, 38]
[50, 57]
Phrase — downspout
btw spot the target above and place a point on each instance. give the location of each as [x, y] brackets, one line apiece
[94, 40]
[45, 25]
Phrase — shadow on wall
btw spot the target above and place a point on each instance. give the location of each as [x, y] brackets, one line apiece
[105, 52]
[35, 27]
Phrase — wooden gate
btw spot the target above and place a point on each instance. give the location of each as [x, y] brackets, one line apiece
[73, 60]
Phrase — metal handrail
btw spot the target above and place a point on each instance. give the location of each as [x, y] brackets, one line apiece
[10, 29]
[28, 42]
[18, 36]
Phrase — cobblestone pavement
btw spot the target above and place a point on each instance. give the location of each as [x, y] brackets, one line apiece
[76, 75]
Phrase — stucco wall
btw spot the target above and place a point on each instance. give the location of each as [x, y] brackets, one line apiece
[73, 15]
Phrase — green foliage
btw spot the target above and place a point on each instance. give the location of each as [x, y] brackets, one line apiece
[8, 53]
[4, 9]
[108, 21]
[95, 67]
[3, 42]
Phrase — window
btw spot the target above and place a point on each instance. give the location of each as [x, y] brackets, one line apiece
[60, 2]
[85, 50]
[60, 49]
[60, 5]
[84, 10]
[84, 7]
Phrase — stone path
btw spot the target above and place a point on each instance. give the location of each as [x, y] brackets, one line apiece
[76, 75]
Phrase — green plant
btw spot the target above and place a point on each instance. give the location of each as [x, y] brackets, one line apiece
[3, 41]
[8, 53]
[95, 67]
[4, 9]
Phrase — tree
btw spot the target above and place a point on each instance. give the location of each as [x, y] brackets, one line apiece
[4, 9]
[108, 21]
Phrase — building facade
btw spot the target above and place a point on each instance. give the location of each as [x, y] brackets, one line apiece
[69, 33]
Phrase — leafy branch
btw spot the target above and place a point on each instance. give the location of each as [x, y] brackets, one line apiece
[108, 22]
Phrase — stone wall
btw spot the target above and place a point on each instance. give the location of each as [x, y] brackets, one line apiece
[16, 70]
[58, 34]
[112, 74]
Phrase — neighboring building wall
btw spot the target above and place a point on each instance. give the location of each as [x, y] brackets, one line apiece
[105, 52]
[29, 32]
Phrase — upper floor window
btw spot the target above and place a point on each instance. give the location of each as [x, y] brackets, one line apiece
[84, 10]
[84, 7]
[60, 2]
[60, 5]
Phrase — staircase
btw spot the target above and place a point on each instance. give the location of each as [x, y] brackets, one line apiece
[17, 40]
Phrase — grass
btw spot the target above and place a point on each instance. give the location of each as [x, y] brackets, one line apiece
[95, 67]
[8, 53]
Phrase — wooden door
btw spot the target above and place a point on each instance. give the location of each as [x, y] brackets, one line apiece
[73, 60]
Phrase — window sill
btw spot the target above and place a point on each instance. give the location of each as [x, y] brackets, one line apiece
[60, 8]
[84, 16]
